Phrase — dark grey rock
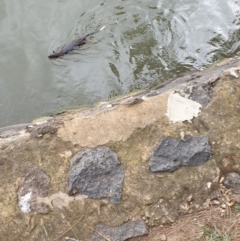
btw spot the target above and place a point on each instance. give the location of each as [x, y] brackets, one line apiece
[171, 153]
[120, 233]
[96, 173]
[232, 181]
[200, 93]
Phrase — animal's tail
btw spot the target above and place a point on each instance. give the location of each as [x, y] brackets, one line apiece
[97, 31]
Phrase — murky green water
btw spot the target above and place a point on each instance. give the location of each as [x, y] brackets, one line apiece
[144, 43]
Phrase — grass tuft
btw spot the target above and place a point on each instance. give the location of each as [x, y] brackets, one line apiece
[213, 234]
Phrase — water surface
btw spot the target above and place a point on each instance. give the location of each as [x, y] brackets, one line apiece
[144, 44]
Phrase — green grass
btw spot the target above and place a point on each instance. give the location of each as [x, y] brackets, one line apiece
[213, 234]
[237, 207]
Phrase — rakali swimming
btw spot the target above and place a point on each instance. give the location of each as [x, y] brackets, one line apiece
[73, 45]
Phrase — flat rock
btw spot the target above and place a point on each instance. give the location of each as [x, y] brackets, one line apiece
[120, 233]
[171, 153]
[96, 173]
[181, 109]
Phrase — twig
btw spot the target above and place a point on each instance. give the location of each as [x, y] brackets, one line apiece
[72, 230]
[96, 231]
[45, 231]
[230, 227]
[48, 238]
[69, 228]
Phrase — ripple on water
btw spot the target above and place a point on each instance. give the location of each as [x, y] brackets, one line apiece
[144, 44]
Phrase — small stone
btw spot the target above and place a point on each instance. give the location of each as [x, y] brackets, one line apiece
[221, 180]
[147, 214]
[216, 202]
[163, 237]
[209, 184]
[232, 181]
[69, 239]
[190, 197]
[182, 134]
